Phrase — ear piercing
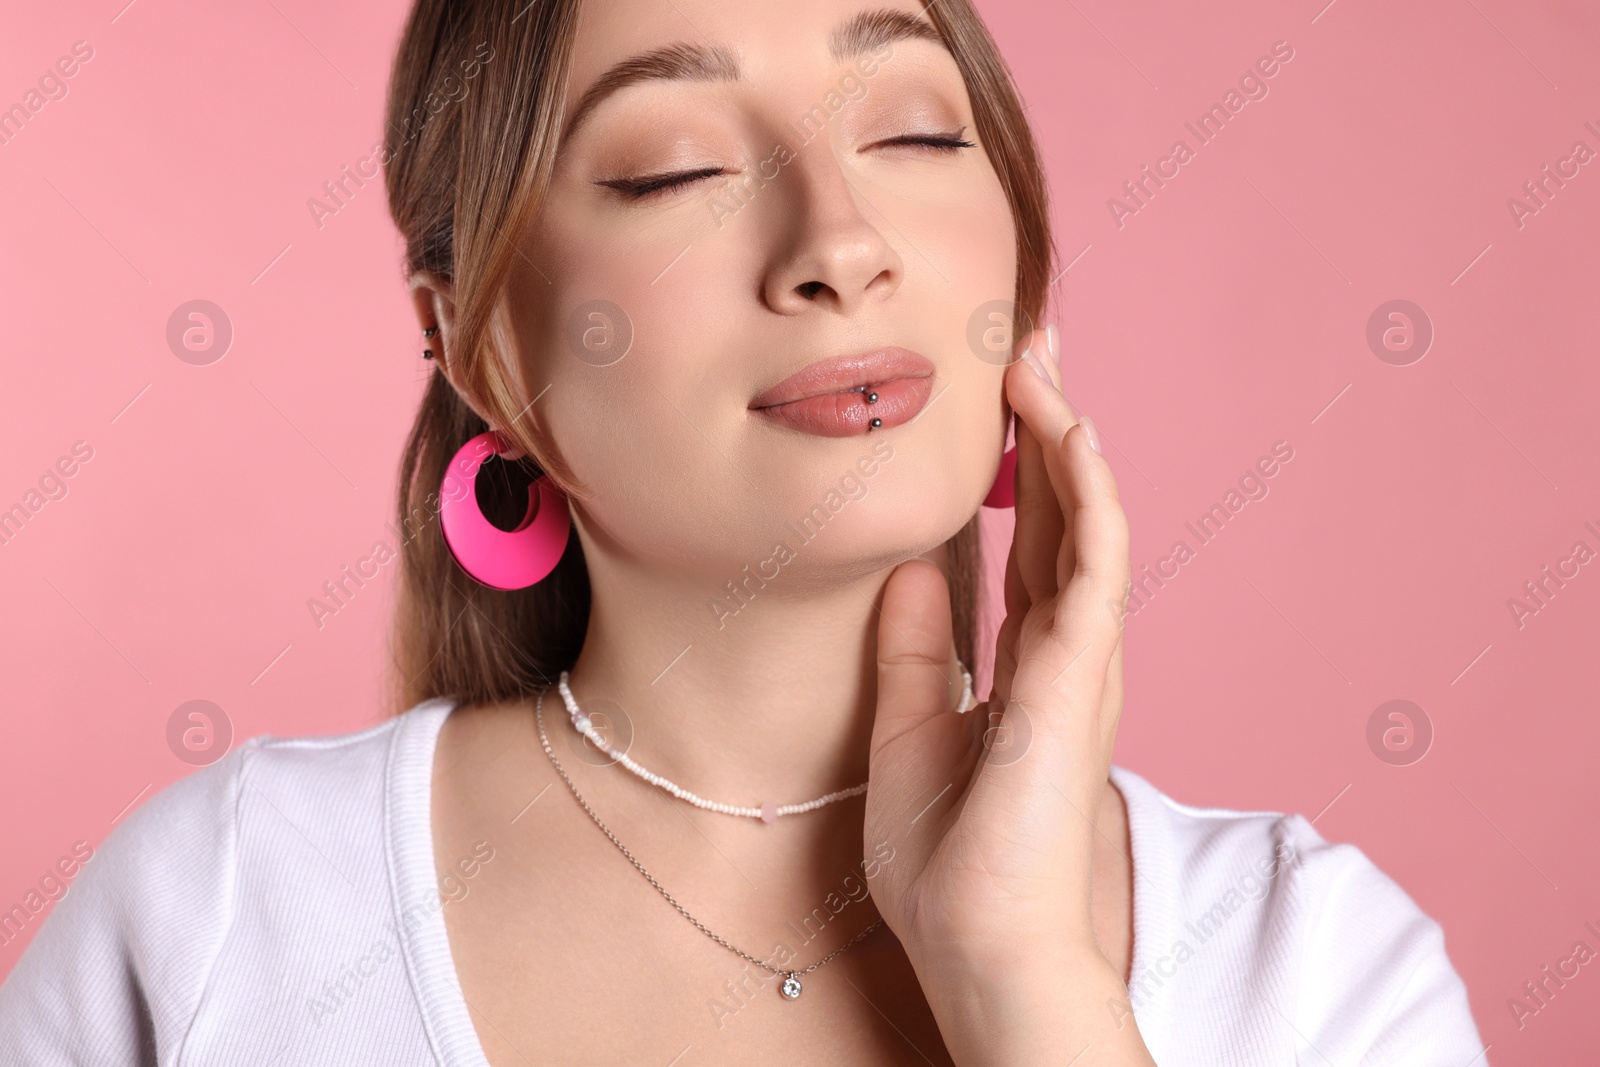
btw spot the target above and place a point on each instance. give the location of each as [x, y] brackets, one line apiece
[427, 353]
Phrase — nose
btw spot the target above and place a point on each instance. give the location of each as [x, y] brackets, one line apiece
[827, 252]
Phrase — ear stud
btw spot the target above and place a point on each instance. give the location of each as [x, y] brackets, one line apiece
[427, 353]
[430, 331]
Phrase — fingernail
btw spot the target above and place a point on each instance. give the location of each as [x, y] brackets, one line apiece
[1053, 335]
[1038, 368]
[1090, 432]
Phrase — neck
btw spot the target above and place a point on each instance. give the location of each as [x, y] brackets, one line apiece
[773, 702]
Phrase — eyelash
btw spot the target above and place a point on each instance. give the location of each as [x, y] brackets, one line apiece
[645, 188]
[933, 140]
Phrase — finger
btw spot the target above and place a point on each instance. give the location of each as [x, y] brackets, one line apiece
[1085, 632]
[914, 643]
[1048, 417]
[1038, 532]
[1099, 531]
[1092, 571]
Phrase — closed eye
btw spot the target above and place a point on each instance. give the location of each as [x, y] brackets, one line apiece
[657, 184]
[942, 141]
[662, 184]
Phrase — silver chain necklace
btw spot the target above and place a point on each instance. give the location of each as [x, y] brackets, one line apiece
[790, 987]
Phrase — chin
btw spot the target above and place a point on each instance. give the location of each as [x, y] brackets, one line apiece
[883, 528]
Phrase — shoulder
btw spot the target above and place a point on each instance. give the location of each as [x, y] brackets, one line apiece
[1333, 944]
[117, 970]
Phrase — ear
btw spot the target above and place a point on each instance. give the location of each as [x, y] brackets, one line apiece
[434, 297]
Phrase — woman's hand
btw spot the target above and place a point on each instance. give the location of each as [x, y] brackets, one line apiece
[991, 813]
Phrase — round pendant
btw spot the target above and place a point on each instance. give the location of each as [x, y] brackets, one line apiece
[791, 987]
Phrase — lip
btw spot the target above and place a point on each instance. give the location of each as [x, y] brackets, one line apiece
[828, 398]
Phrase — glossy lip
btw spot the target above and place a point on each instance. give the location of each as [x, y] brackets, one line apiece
[841, 374]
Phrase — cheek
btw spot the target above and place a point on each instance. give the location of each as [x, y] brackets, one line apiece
[649, 433]
[962, 277]
[985, 234]
[965, 232]
[973, 243]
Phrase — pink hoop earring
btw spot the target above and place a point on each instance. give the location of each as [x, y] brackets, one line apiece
[1003, 493]
[492, 556]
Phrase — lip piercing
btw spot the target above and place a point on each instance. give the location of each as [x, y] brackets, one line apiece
[872, 398]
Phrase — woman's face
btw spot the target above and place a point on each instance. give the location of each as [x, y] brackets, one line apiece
[786, 187]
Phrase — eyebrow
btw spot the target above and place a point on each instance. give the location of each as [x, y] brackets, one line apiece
[866, 31]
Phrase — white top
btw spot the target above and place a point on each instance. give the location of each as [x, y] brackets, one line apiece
[230, 918]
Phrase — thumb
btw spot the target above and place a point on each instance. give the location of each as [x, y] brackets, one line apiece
[915, 653]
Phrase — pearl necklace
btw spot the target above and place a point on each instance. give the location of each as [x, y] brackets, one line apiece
[767, 811]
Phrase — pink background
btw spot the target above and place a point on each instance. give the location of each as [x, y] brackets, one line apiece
[1227, 314]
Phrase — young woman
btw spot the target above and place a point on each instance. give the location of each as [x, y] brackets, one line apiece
[689, 771]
